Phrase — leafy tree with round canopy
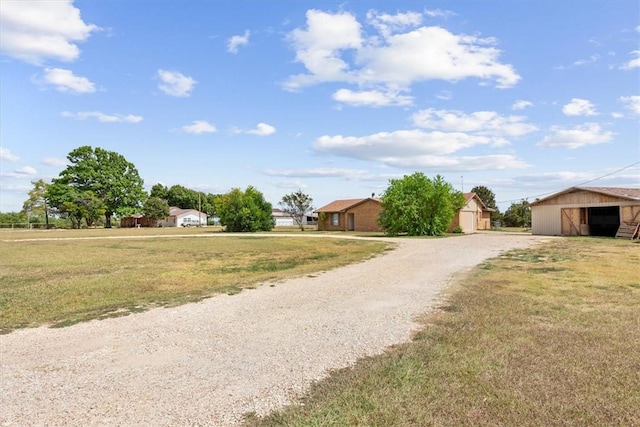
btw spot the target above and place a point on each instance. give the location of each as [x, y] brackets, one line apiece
[297, 205]
[185, 198]
[108, 176]
[155, 208]
[418, 206]
[75, 204]
[488, 198]
[244, 211]
[160, 191]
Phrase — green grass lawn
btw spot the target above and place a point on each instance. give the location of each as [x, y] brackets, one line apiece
[548, 336]
[83, 277]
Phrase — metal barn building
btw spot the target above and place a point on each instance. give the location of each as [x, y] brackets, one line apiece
[585, 211]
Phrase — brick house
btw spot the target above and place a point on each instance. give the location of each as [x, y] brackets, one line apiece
[350, 215]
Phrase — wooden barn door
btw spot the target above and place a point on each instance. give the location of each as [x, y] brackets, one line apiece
[570, 221]
[630, 214]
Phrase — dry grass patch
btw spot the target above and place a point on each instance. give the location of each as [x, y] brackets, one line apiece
[68, 281]
[546, 336]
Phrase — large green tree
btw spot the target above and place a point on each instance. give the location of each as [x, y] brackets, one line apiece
[182, 197]
[418, 206]
[489, 199]
[244, 210]
[297, 205]
[108, 176]
[75, 204]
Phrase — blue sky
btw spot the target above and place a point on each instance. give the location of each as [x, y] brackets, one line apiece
[334, 98]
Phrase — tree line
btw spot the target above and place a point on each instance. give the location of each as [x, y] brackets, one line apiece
[99, 184]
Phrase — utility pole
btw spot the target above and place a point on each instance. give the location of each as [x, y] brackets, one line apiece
[462, 182]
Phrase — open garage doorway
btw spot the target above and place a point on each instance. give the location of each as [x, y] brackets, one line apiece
[604, 221]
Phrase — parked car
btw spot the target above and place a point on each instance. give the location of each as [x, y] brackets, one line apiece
[188, 222]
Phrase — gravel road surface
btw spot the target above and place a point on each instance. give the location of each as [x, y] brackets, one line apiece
[210, 362]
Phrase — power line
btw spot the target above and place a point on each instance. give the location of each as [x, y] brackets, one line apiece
[576, 185]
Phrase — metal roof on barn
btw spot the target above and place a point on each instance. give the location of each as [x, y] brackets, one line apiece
[622, 193]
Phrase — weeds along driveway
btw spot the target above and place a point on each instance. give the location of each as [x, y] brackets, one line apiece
[209, 362]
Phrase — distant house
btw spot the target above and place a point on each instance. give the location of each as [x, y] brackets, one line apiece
[473, 216]
[177, 218]
[586, 211]
[137, 220]
[283, 219]
[184, 218]
[350, 215]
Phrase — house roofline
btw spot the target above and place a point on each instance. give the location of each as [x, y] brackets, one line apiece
[600, 190]
[353, 205]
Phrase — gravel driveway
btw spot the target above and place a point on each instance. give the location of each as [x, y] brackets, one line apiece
[208, 363]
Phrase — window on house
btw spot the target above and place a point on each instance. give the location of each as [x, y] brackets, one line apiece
[335, 219]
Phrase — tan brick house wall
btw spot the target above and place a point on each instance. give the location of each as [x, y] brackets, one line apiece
[352, 215]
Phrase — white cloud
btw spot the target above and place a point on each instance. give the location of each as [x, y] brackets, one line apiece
[444, 95]
[52, 161]
[319, 173]
[430, 53]
[332, 49]
[175, 83]
[593, 58]
[389, 24]
[634, 63]
[198, 127]
[579, 107]
[5, 154]
[22, 189]
[319, 46]
[561, 176]
[26, 170]
[631, 103]
[405, 143]
[480, 122]
[372, 98]
[458, 164]
[101, 117]
[262, 129]
[237, 41]
[293, 185]
[34, 31]
[21, 173]
[579, 136]
[66, 81]
[521, 105]
[438, 13]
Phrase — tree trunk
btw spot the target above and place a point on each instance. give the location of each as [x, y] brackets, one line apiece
[107, 219]
[46, 215]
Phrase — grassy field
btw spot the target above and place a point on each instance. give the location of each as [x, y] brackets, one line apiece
[93, 274]
[543, 337]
